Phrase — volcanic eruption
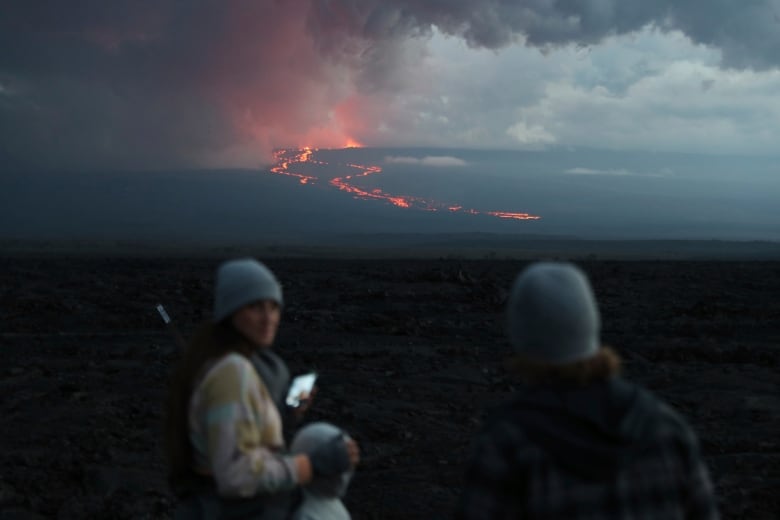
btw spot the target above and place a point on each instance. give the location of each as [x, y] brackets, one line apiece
[287, 162]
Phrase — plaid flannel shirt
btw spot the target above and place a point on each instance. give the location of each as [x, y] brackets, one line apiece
[508, 476]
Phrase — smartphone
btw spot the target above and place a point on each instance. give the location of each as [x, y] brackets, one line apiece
[302, 384]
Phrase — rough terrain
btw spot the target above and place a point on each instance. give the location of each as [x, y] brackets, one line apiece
[410, 352]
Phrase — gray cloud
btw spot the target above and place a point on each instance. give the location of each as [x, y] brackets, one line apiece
[619, 172]
[156, 83]
[747, 33]
[593, 171]
[436, 161]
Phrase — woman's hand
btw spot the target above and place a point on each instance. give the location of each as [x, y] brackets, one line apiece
[305, 399]
[353, 451]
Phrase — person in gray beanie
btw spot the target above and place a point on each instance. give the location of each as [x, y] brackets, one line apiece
[243, 281]
[577, 440]
[224, 439]
[322, 496]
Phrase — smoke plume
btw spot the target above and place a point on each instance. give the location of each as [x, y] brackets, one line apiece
[160, 83]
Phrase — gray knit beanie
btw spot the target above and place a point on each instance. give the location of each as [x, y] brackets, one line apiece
[552, 314]
[309, 439]
[243, 281]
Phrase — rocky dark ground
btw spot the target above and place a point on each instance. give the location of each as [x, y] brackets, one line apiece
[409, 353]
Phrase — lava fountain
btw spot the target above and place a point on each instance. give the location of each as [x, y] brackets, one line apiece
[289, 162]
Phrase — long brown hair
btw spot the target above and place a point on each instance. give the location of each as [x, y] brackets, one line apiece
[599, 367]
[210, 341]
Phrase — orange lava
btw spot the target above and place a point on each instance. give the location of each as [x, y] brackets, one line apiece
[286, 161]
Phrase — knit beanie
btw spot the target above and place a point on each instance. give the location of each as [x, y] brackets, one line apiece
[552, 314]
[243, 281]
[308, 439]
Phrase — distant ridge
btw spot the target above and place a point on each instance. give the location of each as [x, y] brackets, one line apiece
[524, 245]
[411, 245]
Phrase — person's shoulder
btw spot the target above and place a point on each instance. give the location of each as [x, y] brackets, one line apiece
[503, 429]
[501, 450]
[670, 424]
[231, 362]
[673, 422]
[232, 369]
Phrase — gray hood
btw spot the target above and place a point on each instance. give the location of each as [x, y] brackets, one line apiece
[589, 431]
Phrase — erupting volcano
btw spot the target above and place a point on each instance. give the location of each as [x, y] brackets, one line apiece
[293, 162]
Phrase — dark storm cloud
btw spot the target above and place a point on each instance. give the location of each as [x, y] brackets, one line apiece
[747, 32]
[165, 82]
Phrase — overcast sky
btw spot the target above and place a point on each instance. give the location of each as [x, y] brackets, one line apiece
[169, 83]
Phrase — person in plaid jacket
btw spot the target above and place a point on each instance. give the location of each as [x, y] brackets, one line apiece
[576, 440]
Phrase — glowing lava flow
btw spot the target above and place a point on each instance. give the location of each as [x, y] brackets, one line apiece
[287, 159]
[401, 201]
